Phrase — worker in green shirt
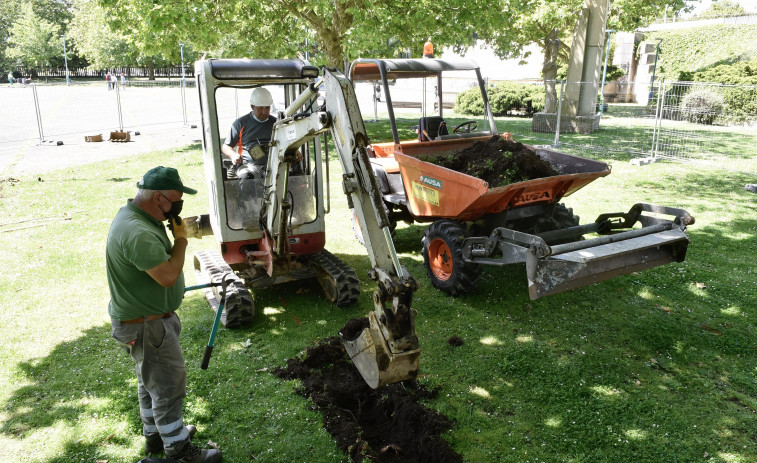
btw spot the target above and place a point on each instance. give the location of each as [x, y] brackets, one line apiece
[147, 286]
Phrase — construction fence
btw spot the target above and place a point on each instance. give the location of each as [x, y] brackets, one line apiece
[35, 114]
[704, 123]
[711, 124]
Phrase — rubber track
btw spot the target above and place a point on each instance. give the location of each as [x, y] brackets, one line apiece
[239, 308]
[347, 282]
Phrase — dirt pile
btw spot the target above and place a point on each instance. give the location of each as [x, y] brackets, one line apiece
[383, 425]
[499, 162]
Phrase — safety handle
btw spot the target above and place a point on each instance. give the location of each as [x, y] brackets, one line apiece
[216, 322]
[206, 357]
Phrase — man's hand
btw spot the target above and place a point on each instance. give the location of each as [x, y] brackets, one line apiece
[237, 159]
[179, 229]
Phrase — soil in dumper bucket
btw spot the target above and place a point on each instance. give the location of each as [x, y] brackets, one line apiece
[386, 425]
[498, 162]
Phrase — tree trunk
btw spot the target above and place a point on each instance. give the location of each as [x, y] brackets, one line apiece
[631, 80]
[551, 47]
[150, 71]
[329, 30]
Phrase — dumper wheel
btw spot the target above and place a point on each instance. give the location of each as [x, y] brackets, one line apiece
[443, 258]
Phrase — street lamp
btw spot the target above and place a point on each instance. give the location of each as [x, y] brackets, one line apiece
[604, 72]
[183, 77]
[65, 58]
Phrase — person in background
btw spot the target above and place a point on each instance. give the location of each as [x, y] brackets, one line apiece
[10, 78]
[146, 283]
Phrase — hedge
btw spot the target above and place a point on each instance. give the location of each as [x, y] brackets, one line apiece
[505, 99]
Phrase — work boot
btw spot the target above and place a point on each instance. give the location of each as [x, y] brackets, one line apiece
[193, 454]
[154, 444]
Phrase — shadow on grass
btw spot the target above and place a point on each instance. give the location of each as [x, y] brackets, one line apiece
[642, 367]
[79, 379]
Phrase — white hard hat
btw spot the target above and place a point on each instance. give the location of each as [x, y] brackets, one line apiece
[261, 97]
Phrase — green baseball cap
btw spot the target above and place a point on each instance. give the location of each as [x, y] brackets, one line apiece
[163, 178]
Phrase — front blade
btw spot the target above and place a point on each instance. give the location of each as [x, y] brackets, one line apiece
[574, 269]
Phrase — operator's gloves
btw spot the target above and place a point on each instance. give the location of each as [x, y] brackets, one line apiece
[179, 229]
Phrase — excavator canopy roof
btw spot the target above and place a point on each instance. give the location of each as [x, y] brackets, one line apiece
[248, 69]
[370, 69]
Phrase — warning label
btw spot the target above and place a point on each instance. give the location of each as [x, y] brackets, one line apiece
[425, 193]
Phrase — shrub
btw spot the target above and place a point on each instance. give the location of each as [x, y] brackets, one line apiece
[470, 102]
[738, 73]
[504, 97]
[701, 106]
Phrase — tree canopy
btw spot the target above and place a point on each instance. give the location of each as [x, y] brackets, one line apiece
[334, 30]
[33, 40]
[121, 32]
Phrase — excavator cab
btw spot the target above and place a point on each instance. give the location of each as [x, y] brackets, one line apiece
[272, 230]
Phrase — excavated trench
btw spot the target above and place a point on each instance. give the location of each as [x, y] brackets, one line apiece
[388, 424]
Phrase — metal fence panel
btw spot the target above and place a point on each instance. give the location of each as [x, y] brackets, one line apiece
[143, 106]
[18, 121]
[706, 123]
[580, 125]
[77, 109]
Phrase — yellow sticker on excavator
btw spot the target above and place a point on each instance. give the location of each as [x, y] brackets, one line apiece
[425, 193]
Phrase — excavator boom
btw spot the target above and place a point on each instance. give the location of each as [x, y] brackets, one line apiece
[385, 350]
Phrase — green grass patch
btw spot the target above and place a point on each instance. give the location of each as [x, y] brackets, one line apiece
[648, 367]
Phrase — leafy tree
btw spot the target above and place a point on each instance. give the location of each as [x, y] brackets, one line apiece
[54, 11]
[95, 40]
[8, 14]
[33, 41]
[336, 29]
[550, 25]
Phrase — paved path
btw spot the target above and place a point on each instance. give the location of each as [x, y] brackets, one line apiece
[70, 113]
[31, 160]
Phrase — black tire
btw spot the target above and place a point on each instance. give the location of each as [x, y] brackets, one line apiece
[562, 217]
[443, 258]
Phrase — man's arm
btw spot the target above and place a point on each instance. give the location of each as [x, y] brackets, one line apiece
[168, 272]
[230, 153]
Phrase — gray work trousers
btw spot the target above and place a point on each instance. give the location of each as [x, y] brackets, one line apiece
[161, 377]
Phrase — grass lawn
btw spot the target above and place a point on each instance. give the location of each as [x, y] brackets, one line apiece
[659, 366]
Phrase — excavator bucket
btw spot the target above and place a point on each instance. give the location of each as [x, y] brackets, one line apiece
[374, 359]
[119, 136]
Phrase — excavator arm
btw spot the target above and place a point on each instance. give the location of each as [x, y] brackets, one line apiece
[385, 349]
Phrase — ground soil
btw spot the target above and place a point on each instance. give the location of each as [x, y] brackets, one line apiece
[498, 162]
[382, 425]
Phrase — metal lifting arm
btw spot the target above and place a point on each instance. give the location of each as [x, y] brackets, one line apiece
[387, 350]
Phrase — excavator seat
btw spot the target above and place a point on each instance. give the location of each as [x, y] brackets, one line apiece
[430, 128]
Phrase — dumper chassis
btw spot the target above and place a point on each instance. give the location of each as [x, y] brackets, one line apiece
[473, 224]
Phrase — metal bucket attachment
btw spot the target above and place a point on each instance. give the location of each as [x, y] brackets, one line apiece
[119, 136]
[585, 262]
[93, 138]
[376, 362]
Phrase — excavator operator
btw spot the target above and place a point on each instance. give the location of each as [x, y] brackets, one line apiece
[246, 144]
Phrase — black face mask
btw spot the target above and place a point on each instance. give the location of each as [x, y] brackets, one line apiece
[175, 210]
